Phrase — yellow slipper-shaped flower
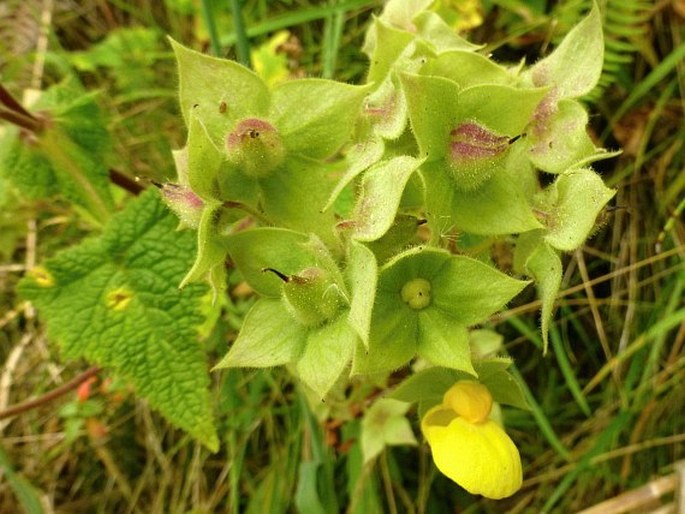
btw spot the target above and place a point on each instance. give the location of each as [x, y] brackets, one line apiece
[468, 446]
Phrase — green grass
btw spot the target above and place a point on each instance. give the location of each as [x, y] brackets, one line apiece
[607, 399]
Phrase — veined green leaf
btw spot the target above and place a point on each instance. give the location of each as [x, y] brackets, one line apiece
[114, 300]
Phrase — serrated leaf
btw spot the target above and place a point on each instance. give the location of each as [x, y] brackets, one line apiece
[361, 275]
[113, 300]
[269, 337]
[315, 117]
[205, 82]
[575, 199]
[381, 191]
[575, 66]
[385, 424]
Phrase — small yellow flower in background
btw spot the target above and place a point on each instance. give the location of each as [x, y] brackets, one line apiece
[468, 446]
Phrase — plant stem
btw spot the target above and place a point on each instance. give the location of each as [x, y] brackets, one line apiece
[21, 120]
[51, 395]
[125, 182]
[242, 43]
[11, 103]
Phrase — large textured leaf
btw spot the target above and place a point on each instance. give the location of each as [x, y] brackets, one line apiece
[114, 300]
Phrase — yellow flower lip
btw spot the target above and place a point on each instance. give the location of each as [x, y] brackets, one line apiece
[472, 450]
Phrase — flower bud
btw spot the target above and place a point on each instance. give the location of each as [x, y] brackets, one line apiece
[185, 204]
[417, 293]
[255, 147]
[312, 296]
[474, 151]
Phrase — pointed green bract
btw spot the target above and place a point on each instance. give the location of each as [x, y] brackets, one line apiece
[381, 190]
[544, 265]
[113, 300]
[443, 343]
[467, 69]
[203, 160]
[573, 203]
[283, 192]
[269, 337]
[211, 252]
[315, 116]
[428, 386]
[359, 157]
[396, 44]
[425, 300]
[496, 207]
[561, 140]
[327, 353]
[253, 251]
[385, 424]
[433, 111]
[361, 275]
[208, 83]
[574, 67]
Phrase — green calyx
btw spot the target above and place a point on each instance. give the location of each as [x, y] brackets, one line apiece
[255, 147]
[311, 296]
[417, 293]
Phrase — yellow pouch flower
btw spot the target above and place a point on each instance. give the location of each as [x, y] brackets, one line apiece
[470, 448]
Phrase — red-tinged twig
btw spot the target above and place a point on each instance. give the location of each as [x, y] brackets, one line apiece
[28, 405]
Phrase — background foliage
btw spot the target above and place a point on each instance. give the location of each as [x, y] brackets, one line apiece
[606, 398]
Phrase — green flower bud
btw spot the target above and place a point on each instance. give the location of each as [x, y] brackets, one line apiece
[474, 151]
[311, 296]
[417, 293]
[255, 147]
[185, 204]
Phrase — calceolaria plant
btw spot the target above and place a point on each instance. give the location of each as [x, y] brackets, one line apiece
[363, 218]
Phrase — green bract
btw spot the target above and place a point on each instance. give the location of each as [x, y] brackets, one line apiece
[308, 185]
[425, 301]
